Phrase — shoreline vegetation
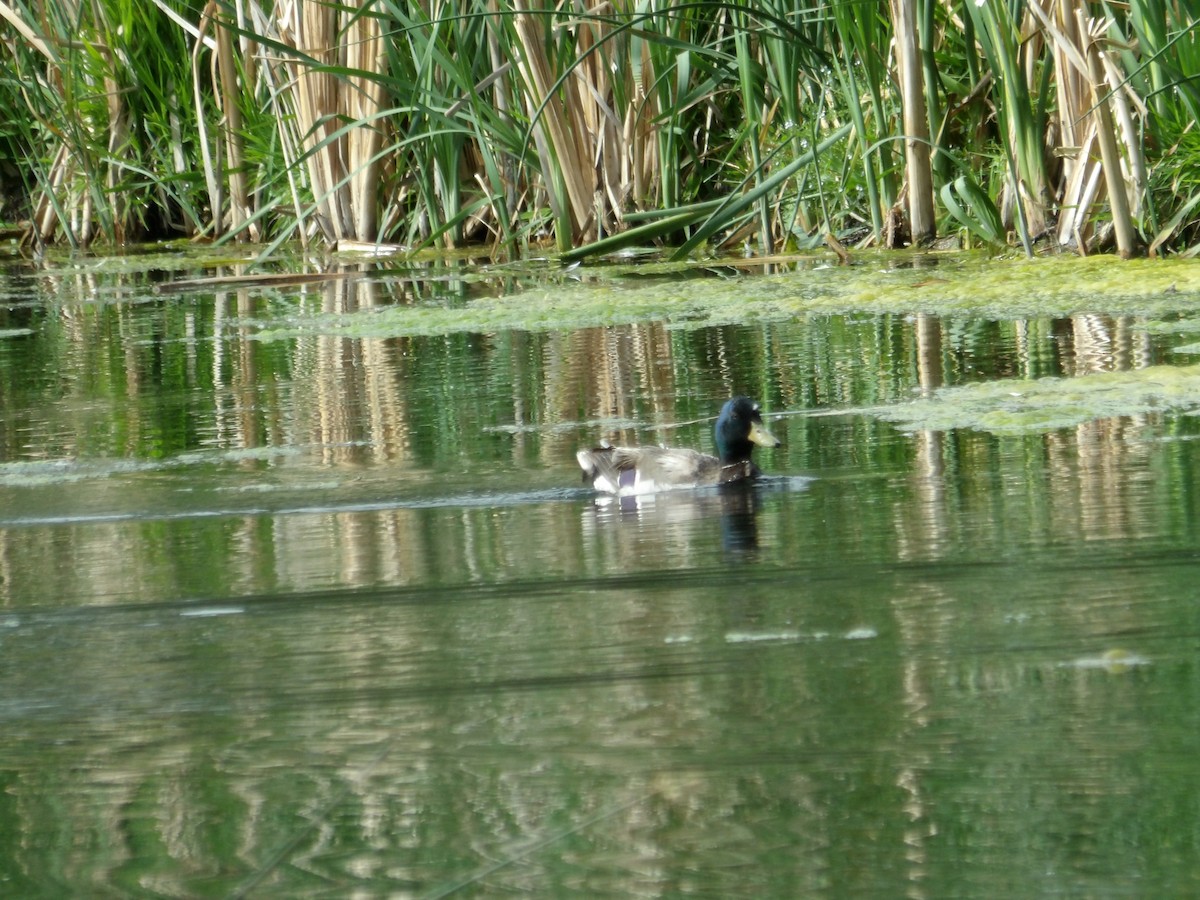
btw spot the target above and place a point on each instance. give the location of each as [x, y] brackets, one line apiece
[772, 127]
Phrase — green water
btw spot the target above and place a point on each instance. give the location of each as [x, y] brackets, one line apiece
[301, 596]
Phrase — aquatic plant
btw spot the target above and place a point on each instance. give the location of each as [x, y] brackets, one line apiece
[776, 125]
[1009, 406]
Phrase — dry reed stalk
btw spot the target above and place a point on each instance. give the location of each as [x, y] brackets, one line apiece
[625, 137]
[116, 126]
[212, 179]
[639, 160]
[311, 27]
[228, 81]
[1082, 168]
[31, 37]
[501, 101]
[1070, 75]
[48, 206]
[1122, 96]
[1086, 82]
[342, 164]
[272, 74]
[922, 220]
[363, 101]
[600, 127]
[45, 211]
[1115, 181]
[1076, 138]
[562, 146]
[1032, 189]
[231, 129]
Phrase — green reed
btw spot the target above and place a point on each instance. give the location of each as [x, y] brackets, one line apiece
[693, 124]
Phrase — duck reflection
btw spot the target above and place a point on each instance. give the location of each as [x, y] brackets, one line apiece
[681, 520]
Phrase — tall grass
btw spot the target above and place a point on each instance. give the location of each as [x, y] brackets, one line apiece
[586, 127]
[101, 119]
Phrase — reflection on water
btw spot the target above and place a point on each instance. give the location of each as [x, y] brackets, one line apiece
[636, 526]
[325, 614]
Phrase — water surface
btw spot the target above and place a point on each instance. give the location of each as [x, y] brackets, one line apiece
[300, 594]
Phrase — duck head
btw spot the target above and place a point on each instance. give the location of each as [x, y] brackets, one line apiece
[739, 428]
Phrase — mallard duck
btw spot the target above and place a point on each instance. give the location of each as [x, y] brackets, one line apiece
[643, 470]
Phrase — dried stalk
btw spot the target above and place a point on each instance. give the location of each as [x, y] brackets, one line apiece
[231, 130]
[922, 220]
[562, 135]
[342, 164]
[364, 100]
[1110, 156]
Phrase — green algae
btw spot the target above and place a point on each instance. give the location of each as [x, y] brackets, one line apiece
[710, 293]
[1175, 326]
[442, 296]
[1023, 407]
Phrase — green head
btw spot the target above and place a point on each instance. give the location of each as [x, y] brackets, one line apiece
[739, 428]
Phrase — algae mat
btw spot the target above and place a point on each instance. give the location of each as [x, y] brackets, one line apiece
[1019, 407]
[1159, 295]
[710, 293]
[540, 295]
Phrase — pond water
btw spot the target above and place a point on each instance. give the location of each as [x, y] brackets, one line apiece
[301, 594]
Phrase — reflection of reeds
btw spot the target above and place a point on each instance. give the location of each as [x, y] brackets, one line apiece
[416, 410]
[458, 120]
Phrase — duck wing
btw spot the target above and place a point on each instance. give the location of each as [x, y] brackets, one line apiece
[645, 470]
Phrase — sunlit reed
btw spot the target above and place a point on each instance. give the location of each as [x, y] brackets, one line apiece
[776, 125]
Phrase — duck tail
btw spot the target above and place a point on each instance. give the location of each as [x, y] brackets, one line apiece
[599, 469]
[587, 462]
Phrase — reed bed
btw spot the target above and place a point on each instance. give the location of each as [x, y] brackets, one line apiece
[774, 126]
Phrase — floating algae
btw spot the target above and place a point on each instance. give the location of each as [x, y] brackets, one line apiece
[1022, 407]
[708, 293]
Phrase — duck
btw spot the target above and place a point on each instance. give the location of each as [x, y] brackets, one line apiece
[628, 471]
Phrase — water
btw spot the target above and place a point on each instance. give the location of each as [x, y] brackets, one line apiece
[332, 616]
